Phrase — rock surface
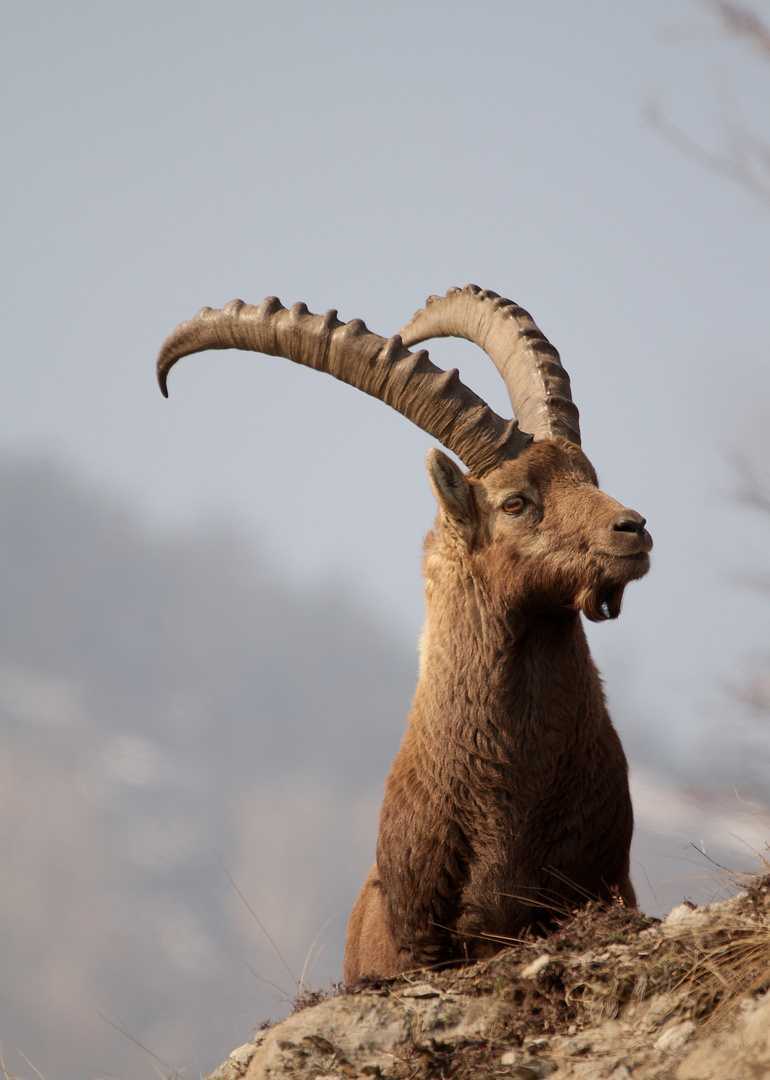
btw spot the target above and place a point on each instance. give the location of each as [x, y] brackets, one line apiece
[610, 994]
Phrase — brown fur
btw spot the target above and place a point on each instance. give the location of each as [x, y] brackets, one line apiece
[508, 799]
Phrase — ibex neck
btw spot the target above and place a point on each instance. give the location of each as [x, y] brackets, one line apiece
[494, 670]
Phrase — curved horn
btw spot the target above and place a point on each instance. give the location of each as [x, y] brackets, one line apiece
[538, 385]
[435, 400]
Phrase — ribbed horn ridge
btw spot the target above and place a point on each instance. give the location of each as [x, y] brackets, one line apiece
[537, 384]
[435, 400]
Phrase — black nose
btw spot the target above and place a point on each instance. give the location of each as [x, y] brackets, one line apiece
[629, 521]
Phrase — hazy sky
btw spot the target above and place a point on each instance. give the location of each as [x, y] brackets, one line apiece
[162, 156]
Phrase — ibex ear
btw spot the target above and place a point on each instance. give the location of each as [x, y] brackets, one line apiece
[449, 486]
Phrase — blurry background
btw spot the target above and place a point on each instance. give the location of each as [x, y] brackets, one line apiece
[210, 605]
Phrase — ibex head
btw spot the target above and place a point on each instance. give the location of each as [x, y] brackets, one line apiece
[538, 532]
[529, 509]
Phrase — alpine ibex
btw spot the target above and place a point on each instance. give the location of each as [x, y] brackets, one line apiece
[508, 799]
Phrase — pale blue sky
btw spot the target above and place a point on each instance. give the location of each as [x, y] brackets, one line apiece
[162, 156]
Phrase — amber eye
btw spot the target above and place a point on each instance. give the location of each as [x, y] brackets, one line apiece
[513, 504]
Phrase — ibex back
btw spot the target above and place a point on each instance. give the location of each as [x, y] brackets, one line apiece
[508, 800]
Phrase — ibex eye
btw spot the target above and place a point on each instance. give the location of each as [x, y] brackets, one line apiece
[514, 504]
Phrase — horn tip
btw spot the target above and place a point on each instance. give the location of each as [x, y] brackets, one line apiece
[162, 376]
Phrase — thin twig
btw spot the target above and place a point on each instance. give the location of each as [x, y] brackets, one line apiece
[745, 23]
[261, 925]
[737, 167]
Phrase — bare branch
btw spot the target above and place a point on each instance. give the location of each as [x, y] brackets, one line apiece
[747, 159]
[752, 488]
[744, 23]
[755, 693]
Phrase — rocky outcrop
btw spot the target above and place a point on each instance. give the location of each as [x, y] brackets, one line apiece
[611, 994]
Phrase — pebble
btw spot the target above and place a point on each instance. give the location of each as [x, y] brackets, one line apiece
[533, 969]
[243, 1055]
[519, 1069]
[526, 1068]
[420, 990]
[579, 1046]
[684, 915]
[674, 1038]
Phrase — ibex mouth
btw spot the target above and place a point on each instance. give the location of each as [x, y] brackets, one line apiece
[639, 550]
[629, 564]
[640, 558]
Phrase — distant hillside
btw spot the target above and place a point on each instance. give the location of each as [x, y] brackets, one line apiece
[166, 700]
